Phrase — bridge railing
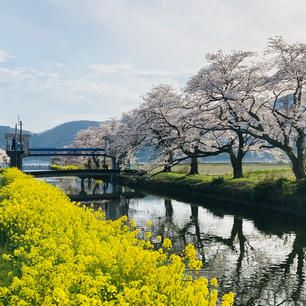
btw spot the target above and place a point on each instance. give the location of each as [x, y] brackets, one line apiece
[67, 152]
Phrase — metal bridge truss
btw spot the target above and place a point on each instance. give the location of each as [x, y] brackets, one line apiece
[67, 152]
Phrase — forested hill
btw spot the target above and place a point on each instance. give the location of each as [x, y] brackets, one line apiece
[58, 136]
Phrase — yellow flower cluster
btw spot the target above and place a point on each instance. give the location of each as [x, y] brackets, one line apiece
[64, 254]
[167, 244]
[214, 282]
[57, 167]
[191, 254]
[228, 299]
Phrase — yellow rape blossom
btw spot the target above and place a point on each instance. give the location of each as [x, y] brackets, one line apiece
[214, 282]
[167, 244]
[132, 223]
[148, 235]
[124, 218]
[64, 254]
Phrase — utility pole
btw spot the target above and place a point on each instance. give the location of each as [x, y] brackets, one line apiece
[16, 158]
[20, 142]
[20, 134]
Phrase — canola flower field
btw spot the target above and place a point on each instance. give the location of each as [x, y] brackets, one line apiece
[71, 167]
[63, 254]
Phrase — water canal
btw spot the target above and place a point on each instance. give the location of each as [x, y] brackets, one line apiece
[260, 258]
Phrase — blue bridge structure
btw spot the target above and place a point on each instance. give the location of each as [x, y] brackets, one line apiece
[17, 148]
[67, 152]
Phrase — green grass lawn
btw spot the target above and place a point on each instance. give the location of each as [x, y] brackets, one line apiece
[226, 168]
[259, 179]
[253, 174]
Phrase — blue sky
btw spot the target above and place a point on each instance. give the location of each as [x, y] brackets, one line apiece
[94, 59]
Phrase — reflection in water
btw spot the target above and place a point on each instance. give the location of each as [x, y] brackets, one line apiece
[169, 210]
[262, 264]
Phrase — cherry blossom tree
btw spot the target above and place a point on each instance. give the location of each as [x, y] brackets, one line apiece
[102, 136]
[264, 100]
[156, 116]
[277, 114]
[222, 87]
[165, 116]
[129, 138]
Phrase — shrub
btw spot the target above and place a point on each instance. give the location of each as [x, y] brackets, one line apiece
[217, 180]
[282, 183]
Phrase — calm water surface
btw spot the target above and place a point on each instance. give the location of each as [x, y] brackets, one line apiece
[261, 259]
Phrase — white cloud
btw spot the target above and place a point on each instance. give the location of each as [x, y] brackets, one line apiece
[130, 70]
[136, 44]
[90, 95]
[177, 33]
[5, 56]
[104, 68]
[58, 64]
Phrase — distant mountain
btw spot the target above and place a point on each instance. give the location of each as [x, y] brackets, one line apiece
[3, 131]
[61, 135]
[58, 136]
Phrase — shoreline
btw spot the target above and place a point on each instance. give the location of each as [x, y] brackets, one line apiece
[223, 194]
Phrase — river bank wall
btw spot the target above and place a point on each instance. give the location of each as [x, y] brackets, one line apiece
[262, 197]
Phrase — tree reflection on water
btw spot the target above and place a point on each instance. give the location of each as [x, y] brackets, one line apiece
[262, 260]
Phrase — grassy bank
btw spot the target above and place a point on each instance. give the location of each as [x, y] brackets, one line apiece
[273, 189]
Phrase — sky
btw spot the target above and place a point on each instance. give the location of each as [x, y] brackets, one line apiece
[94, 59]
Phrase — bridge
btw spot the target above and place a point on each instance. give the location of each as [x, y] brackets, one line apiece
[66, 152]
[17, 148]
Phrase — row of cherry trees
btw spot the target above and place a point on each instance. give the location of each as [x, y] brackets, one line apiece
[238, 102]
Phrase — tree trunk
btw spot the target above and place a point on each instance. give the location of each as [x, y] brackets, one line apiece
[237, 168]
[236, 164]
[194, 166]
[96, 162]
[298, 167]
[89, 163]
[169, 209]
[167, 164]
[167, 168]
[298, 160]
[236, 160]
[194, 211]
